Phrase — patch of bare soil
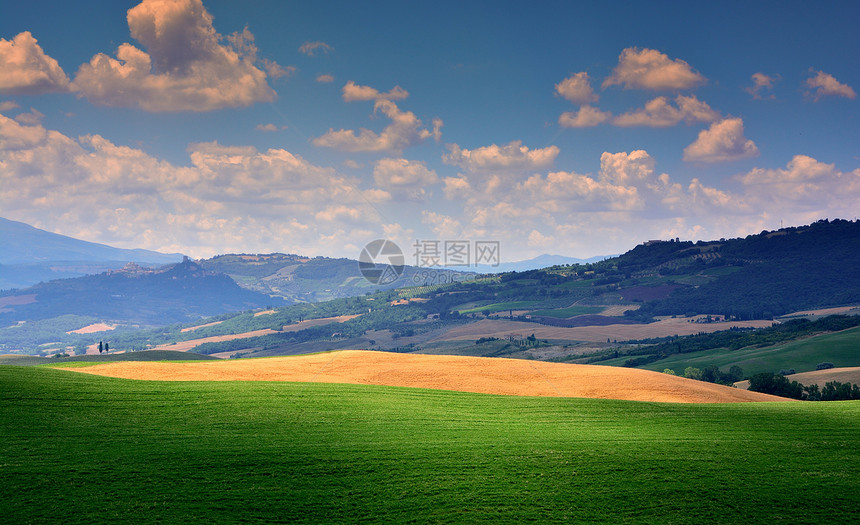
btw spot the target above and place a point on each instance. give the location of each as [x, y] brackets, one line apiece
[824, 311]
[458, 373]
[16, 300]
[198, 327]
[184, 346]
[93, 328]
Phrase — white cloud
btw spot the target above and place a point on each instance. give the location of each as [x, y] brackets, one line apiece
[389, 172]
[456, 188]
[32, 118]
[405, 178]
[585, 117]
[325, 78]
[312, 48]
[489, 172]
[27, 69]
[186, 66]
[653, 70]
[538, 240]
[269, 127]
[353, 92]
[443, 226]
[724, 141]
[762, 83]
[512, 156]
[825, 85]
[803, 191]
[660, 112]
[577, 89]
[405, 130]
[561, 191]
[626, 169]
[229, 198]
[7, 105]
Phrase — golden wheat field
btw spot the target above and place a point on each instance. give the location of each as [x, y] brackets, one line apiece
[459, 373]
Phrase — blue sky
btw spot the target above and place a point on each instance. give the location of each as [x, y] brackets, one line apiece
[316, 127]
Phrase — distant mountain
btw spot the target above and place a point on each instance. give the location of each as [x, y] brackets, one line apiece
[134, 295]
[297, 278]
[30, 255]
[537, 263]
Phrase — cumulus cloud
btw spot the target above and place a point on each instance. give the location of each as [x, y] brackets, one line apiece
[443, 226]
[512, 156]
[802, 169]
[577, 89]
[405, 130]
[489, 172]
[353, 92]
[27, 69]
[653, 70]
[762, 83]
[825, 85]
[187, 65]
[312, 48]
[228, 198]
[6, 105]
[404, 178]
[724, 141]
[325, 78]
[660, 113]
[585, 117]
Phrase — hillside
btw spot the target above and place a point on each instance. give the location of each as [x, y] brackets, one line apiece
[297, 278]
[30, 255]
[133, 295]
[573, 312]
[756, 277]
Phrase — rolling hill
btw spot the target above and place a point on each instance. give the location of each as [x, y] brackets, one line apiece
[134, 295]
[297, 278]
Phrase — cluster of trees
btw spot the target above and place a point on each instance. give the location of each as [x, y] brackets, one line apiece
[735, 339]
[34, 333]
[774, 275]
[779, 385]
[711, 374]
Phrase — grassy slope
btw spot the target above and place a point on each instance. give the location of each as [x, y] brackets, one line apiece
[146, 355]
[88, 449]
[841, 348]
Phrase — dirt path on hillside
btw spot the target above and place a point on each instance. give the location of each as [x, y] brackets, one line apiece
[459, 373]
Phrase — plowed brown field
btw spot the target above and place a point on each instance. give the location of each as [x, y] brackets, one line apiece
[460, 373]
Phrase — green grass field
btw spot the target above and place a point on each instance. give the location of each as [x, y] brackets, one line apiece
[840, 348]
[499, 307]
[564, 313]
[85, 449]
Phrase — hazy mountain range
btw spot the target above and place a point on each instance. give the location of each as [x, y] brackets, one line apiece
[30, 255]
